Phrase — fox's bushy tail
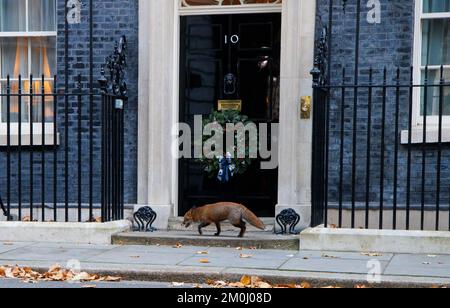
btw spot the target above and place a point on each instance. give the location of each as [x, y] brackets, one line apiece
[252, 219]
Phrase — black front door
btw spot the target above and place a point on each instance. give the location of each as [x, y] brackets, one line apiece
[245, 49]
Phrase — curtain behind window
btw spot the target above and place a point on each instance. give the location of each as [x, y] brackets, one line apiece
[436, 6]
[42, 15]
[12, 15]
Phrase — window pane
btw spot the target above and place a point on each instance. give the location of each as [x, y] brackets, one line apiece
[48, 101]
[434, 77]
[12, 15]
[436, 41]
[436, 6]
[14, 104]
[42, 15]
[14, 57]
[43, 56]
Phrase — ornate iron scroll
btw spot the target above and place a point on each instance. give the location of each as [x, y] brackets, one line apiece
[113, 72]
[288, 217]
[320, 69]
[144, 218]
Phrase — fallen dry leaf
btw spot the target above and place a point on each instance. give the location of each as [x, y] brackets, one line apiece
[202, 253]
[371, 254]
[305, 285]
[204, 261]
[178, 246]
[244, 256]
[177, 284]
[238, 285]
[329, 256]
[246, 280]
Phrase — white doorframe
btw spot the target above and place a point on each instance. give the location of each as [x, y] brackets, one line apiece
[199, 11]
[159, 36]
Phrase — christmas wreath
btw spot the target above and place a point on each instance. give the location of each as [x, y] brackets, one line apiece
[229, 164]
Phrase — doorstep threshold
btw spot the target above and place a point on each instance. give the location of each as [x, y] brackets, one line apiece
[252, 240]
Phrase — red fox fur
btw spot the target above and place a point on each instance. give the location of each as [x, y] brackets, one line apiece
[235, 213]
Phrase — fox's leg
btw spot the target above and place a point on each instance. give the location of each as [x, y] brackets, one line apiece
[242, 225]
[201, 226]
[219, 230]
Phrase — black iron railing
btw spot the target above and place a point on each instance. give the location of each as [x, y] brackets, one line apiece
[60, 151]
[64, 151]
[382, 151]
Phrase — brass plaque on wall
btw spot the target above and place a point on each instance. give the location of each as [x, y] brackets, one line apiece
[234, 105]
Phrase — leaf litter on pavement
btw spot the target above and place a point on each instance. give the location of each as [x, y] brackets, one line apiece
[55, 274]
[254, 282]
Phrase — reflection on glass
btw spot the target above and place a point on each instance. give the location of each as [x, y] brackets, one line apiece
[14, 57]
[25, 102]
[436, 42]
[12, 15]
[42, 15]
[433, 95]
[436, 6]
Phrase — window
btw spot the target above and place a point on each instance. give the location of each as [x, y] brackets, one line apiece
[189, 3]
[221, 6]
[27, 47]
[432, 50]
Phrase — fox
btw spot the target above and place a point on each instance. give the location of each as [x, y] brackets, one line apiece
[236, 214]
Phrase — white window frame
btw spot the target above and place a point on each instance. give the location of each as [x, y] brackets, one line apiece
[25, 126]
[420, 16]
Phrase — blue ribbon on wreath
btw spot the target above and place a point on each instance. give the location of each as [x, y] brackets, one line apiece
[226, 171]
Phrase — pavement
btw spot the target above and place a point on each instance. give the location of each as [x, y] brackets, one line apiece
[198, 264]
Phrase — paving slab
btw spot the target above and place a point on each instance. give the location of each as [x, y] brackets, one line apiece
[253, 263]
[161, 249]
[139, 258]
[8, 246]
[49, 254]
[344, 255]
[329, 265]
[74, 246]
[420, 265]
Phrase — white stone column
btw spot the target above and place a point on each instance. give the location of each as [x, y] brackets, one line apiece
[295, 143]
[156, 107]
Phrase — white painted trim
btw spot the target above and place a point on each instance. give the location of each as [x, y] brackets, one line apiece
[432, 135]
[176, 106]
[434, 15]
[28, 34]
[26, 140]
